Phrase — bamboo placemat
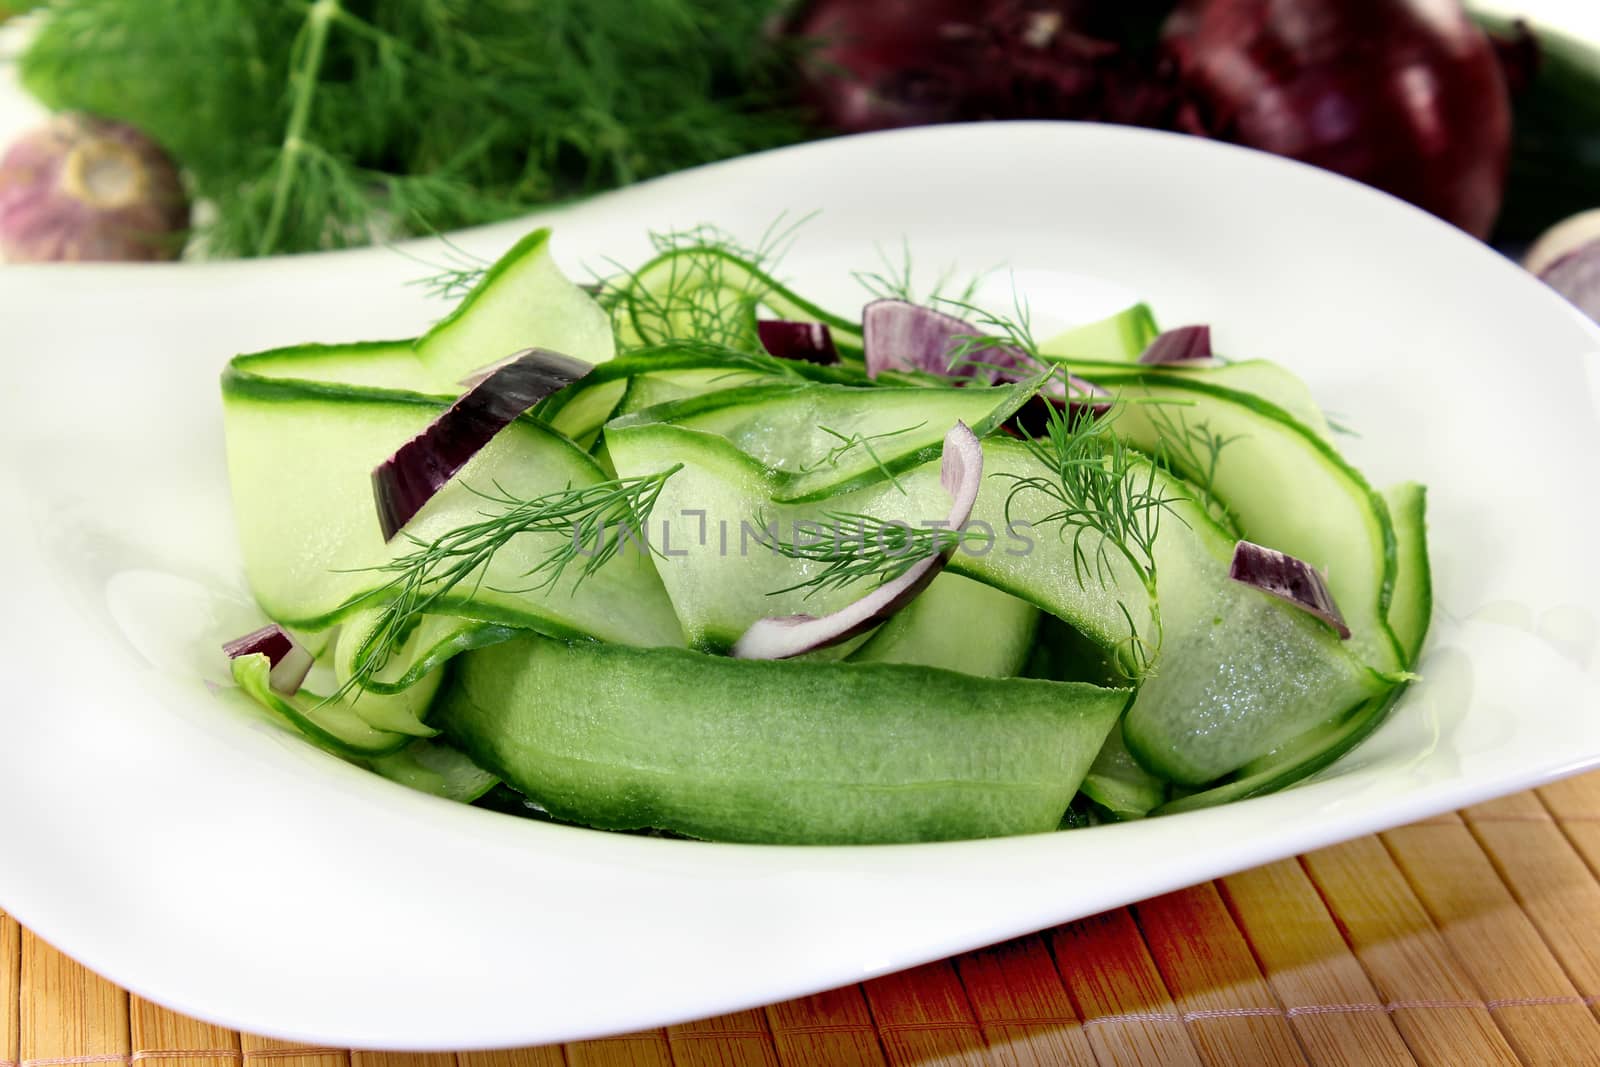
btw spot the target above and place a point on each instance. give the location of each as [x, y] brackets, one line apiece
[1469, 939]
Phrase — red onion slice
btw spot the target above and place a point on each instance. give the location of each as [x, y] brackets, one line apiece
[407, 480]
[1186, 345]
[783, 636]
[899, 335]
[1289, 579]
[811, 342]
[290, 663]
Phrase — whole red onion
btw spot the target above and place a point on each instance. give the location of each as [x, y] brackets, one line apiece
[878, 64]
[84, 188]
[1405, 95]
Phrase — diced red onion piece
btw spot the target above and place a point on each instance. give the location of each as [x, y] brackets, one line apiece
[290, 663]
[811, 342]
[1576, 276]
[1289, 579]
[780, 637]
[1185, 345]
[482, 374]
[899, 335]
[407, 480]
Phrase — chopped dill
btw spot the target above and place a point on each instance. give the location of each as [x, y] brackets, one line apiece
[856, 547]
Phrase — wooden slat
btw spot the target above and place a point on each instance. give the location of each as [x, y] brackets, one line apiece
[1549, 880]
[737, 1039]
[833, 1027]
[923, 1017]
[1536, 1005]
[1022, 1006]
[177, 1040]
[1330, 1000]
[1126, 1011]
[543, 1056]
[1217, 987]
[266, 1052]
[10, 987]
[1435, 1007]
[646, 1048]
[402, 1059]
[1575, 803]
[67, 1012]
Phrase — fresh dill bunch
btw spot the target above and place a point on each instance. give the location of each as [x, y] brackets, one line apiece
[314, 124]
[433, 569]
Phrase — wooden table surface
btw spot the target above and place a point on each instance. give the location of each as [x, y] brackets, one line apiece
[1468, 939]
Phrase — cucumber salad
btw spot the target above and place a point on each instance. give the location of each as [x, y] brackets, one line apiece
[683, 552]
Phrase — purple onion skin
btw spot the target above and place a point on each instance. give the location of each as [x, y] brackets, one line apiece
[1289, 579]
[407, 480]
[82, 188]
[811, 342]
[1576, 276]
[1406, 95]
[1183, 345]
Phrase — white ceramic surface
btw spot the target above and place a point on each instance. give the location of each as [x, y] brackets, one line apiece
[211, 862]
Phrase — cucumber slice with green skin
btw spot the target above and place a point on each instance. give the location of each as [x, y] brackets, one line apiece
[1119, 784]
[432, 642]
[1236, 647]
[300, 458]
[370, 364]
[1238, 677]
[770, 751]
[332, 726]
[1300, 758]
[1268, 381]
[1285, 486]
[720, 285]
[522, 301]
[1411, 606]
[437, 769]
[959, 625]
[1119, 338]
[819, 440]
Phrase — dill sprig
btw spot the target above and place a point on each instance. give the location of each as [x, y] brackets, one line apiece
[1193, 451]
[453, 279]
[854, 547]
[850, 442]
[702, 285]
[314, 124]
[1107, 502]
[894, 280]
[423, 577]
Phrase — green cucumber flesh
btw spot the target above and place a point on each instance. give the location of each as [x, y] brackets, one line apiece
[331, 725]
[1119, 338]
[817, 440]
[959, 625]
[1411, 606]
[300, 461]
[437, 769]
[1300, 758]
[1119, 784]
[1283, 485]
[772, 751]
[522, 301]
[371, 364]
[1213, 629]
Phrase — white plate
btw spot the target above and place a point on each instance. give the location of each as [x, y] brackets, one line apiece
[214, 864]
